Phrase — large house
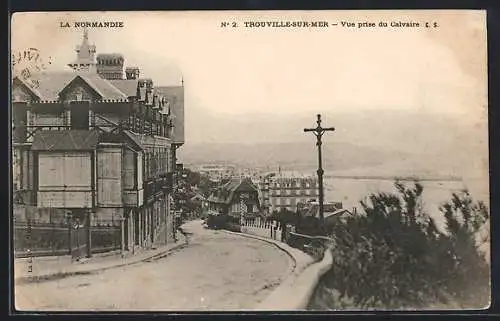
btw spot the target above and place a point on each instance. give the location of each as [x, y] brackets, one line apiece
[238, 198]
[99, 141]
[282, 191]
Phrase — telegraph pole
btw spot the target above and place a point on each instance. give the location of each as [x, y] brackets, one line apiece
[318, 132]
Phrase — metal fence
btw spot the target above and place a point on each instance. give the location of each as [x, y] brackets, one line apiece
[41, 239]
[40, 232]
[105, 237]
[312, 245]
[53, 232]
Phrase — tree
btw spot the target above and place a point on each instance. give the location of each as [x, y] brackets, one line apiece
[394, 256]
[186, 190]
[284, 216]
[192, 178]
[206, 186]
[469, 281]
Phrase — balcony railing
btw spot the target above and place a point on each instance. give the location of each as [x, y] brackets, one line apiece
[103, 124]
[162, 184]
[168, 182]
[32, 129]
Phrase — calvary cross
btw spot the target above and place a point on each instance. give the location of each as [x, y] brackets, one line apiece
[319, 131]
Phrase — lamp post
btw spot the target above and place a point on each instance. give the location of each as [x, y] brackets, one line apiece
[318, 132]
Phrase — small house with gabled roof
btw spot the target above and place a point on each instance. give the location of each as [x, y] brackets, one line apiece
[238, 198]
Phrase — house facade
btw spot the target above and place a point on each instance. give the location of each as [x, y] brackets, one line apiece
[280, 192]
[100, 142]
[309, 216]
[238, 198]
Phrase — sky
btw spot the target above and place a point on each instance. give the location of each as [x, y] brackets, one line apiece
[286, 70]
[235, 75]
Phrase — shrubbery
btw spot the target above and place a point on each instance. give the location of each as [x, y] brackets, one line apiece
[393, 255]
[284, 217]
[232, 223]
[308, 225]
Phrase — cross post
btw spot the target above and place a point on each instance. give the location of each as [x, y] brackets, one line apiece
[318, 132]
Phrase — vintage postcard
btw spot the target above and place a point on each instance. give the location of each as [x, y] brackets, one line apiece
[250, 160]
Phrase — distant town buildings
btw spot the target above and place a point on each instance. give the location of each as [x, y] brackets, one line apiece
[217, 172]
[332, 212]
[285, 191]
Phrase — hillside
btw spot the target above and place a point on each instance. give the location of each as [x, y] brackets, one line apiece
[338, 159]
[386, 142]
[299, 156]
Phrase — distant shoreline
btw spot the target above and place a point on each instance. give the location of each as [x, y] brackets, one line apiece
[401, 178]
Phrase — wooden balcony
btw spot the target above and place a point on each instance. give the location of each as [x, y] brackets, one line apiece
[159, 185]
[168, 182]
[133, 122]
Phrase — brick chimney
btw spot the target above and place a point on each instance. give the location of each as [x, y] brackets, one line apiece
[132, 72]
[110, 66]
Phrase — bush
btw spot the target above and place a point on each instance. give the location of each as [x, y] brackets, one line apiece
[307, 225]
[393, 255]
[284, 217]
[215, 221]
[232, 223]
[310, 226]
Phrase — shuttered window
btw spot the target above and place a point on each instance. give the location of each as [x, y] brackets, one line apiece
[59, 171]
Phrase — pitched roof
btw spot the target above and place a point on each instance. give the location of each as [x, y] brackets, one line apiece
[198, 197]
[126, 86]
[232, 184]
[236, 185]
[134, 139]
[124, 136]
[171, 91]
[215, 199]
[106, 89]
[246, 185]
[50, 84]
[328, 209]
[65, 140]
[336, 213]
[30, 88]
[175, 94]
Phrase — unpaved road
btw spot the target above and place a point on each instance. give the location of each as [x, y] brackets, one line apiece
[216, 271]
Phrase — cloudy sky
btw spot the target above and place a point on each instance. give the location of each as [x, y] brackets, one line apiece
[283, 69]
[262, 79]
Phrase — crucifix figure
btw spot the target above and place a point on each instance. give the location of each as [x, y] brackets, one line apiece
[318, 132]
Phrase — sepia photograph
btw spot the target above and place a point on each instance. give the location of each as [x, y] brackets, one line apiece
[249, 161]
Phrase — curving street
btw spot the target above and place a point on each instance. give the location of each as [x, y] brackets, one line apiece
[216, 271]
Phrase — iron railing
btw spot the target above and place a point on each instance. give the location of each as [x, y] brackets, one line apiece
[105, 237]
[312, 245]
